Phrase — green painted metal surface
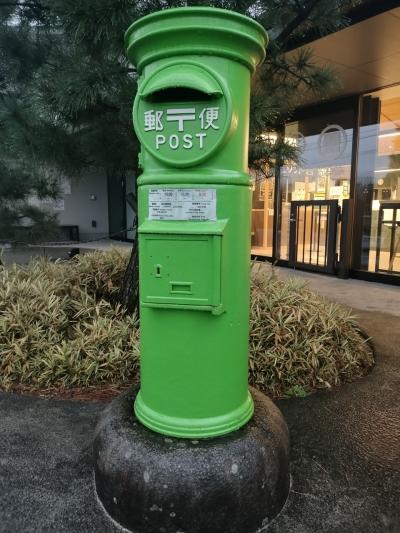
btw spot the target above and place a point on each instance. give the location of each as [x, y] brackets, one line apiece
[191, 115]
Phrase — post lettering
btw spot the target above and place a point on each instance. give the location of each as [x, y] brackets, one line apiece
[174, 142]
[201, 136]
[187, 141]
[160, 139]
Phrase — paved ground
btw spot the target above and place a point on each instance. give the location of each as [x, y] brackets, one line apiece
[345, 456]
[358, 294]
[346, 448]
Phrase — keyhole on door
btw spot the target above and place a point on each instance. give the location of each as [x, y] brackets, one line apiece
[158, 271]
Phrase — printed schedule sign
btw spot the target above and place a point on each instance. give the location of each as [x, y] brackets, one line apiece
[182, 204]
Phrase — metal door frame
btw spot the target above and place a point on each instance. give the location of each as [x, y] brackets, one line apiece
[333, 212]
[394, 240]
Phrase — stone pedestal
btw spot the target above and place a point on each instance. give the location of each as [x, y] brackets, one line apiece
[150, 483]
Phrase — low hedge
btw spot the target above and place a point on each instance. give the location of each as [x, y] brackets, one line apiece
[299, 341]
[60, 327]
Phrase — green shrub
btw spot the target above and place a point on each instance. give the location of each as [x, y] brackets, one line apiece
[299, 341]
[60, 327]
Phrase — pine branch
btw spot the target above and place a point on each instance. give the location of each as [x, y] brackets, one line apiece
[288, 70]
[303, 15]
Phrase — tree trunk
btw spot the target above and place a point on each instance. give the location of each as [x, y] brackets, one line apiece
[128, 294]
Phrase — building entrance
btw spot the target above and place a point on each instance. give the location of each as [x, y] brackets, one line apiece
[312, 191]
[349, 162]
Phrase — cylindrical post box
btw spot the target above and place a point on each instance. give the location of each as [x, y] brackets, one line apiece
[191, 115]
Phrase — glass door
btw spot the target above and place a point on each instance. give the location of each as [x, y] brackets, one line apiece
[322, 174]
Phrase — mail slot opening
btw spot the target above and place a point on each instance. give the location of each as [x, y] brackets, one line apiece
[181, 83]
[178, 287]
[179, 95]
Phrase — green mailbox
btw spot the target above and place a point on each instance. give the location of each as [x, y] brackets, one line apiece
[191, 115]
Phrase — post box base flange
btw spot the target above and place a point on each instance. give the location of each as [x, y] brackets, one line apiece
[150, 483]
[200, 428]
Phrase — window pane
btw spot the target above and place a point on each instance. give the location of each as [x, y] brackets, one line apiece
[262, 214]
[377, 231]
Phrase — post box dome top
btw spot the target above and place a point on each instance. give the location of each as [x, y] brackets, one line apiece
[196, 30]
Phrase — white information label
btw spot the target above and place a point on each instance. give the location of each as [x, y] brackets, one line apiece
[182, 204]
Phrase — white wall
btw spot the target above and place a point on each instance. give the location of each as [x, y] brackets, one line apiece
[80, 210]
[84, 200]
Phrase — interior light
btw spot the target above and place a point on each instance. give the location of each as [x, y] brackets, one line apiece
[387, 170]
[269, 136]
[273, 137]
[394, 134]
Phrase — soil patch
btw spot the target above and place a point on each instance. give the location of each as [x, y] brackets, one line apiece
[92, 393]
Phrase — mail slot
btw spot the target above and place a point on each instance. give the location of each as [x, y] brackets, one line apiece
[191, 116]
